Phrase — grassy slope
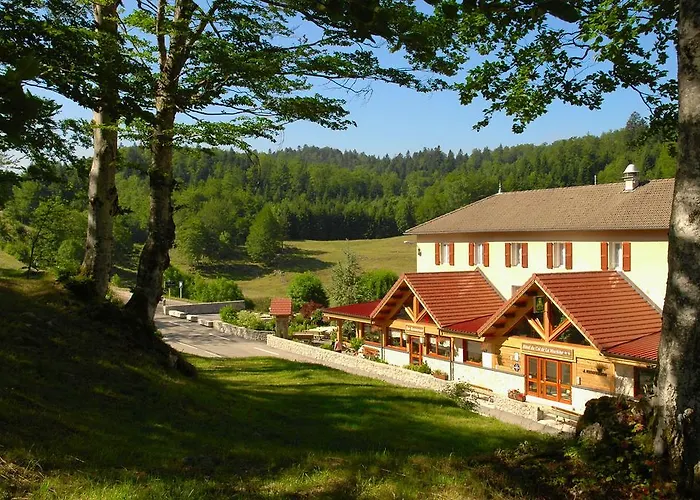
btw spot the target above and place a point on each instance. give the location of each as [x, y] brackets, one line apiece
[317, 256]
[85, 415]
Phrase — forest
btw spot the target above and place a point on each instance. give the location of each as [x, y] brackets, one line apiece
[314, 193]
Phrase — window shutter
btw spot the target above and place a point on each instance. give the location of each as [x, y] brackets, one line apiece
[524, 256]
[569, 251]
[507, 254]
[626, 256]
[437, 254]
[451, 253]
[604, 255]
[471, 253]
[550, 257]
[486, 254]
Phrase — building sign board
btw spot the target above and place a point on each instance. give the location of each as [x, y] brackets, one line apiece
[550, 350]
[414, 329]
[539, 303]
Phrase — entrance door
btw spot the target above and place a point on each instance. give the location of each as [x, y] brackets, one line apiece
[549, 379]
[415, 350]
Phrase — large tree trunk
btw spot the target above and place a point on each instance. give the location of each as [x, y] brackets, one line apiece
[155, 258]
[678, 431]
[102, 191]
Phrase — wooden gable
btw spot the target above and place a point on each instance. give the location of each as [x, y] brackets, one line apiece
[402, 303]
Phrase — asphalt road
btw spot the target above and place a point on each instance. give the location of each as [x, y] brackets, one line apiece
[193, 338]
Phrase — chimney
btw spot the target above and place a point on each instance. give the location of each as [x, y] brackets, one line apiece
[631, 177]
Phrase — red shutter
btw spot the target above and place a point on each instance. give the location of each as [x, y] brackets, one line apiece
[507, 254]
[524, 256]
[550, 257]
[569, 250]
[626, 256]
[604, 255]
[451, 253]
[471, 253]
[437, 254]
[486, 254]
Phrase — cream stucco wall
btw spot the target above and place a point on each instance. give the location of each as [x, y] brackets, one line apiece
[648, 248]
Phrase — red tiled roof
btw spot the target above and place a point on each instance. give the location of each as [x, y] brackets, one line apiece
[281, 306]
[603, 304]
[362, 310]
[450, 298]
[469, 326]
[644, 348]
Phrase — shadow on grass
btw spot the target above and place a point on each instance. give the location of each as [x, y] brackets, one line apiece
[96, 413]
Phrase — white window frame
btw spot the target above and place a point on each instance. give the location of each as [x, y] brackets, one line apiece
[516, 254]
[444, 254]
[615, 255]
[478, 254]
[558, 255]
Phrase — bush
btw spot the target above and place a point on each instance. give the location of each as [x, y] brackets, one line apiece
[423, 368]
[374, 285]
[356, 343]
[462, 394]
[307, 287]
[116, 280]
[228, 315]
[69, 256]
[252, 320]
[312, 311]
[217, 290]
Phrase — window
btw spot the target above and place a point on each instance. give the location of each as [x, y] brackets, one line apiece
[516, 255]
[395, 339]
[372, 334]
[444, 254]
[559, 255]
[479, 254]
[616, 255]
[644, 382]
[439, 346]
[472, 352]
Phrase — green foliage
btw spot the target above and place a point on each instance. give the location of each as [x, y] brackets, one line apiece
[374, 285]
[217, 290]
[250, 319]
[228, 314]
[264, 240]
[422, 368]
[307, 287]
[356, 343]
[462, 394]
[116, 280]
[69, 256]
[346, 278]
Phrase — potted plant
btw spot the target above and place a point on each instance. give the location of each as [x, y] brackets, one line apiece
[440, 374]
[516, 394]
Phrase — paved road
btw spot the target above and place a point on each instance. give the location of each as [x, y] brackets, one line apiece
[192, 338]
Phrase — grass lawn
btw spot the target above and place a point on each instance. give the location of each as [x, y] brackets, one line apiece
[85, 414]
[319, 257]
[9, 266]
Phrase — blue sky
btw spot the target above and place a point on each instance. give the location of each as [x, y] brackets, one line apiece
[393, 120]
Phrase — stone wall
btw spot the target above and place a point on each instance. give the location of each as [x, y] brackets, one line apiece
[205, 307]
[241, 331]
[523, 409]
[332, 359]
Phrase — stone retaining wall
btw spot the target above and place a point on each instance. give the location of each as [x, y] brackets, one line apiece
[205, 307]
[521, 408]
[241, 331]
[333, 359]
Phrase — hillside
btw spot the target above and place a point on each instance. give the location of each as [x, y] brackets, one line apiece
[258, 282]
[86, 414]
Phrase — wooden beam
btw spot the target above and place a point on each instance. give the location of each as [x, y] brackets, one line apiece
[537, 327]
[563, 326]
[547, 320]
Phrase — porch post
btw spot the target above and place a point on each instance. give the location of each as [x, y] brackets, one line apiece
[339, 341]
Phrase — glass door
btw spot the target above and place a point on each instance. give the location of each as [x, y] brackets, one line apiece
[416, 351]
[549, 379]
